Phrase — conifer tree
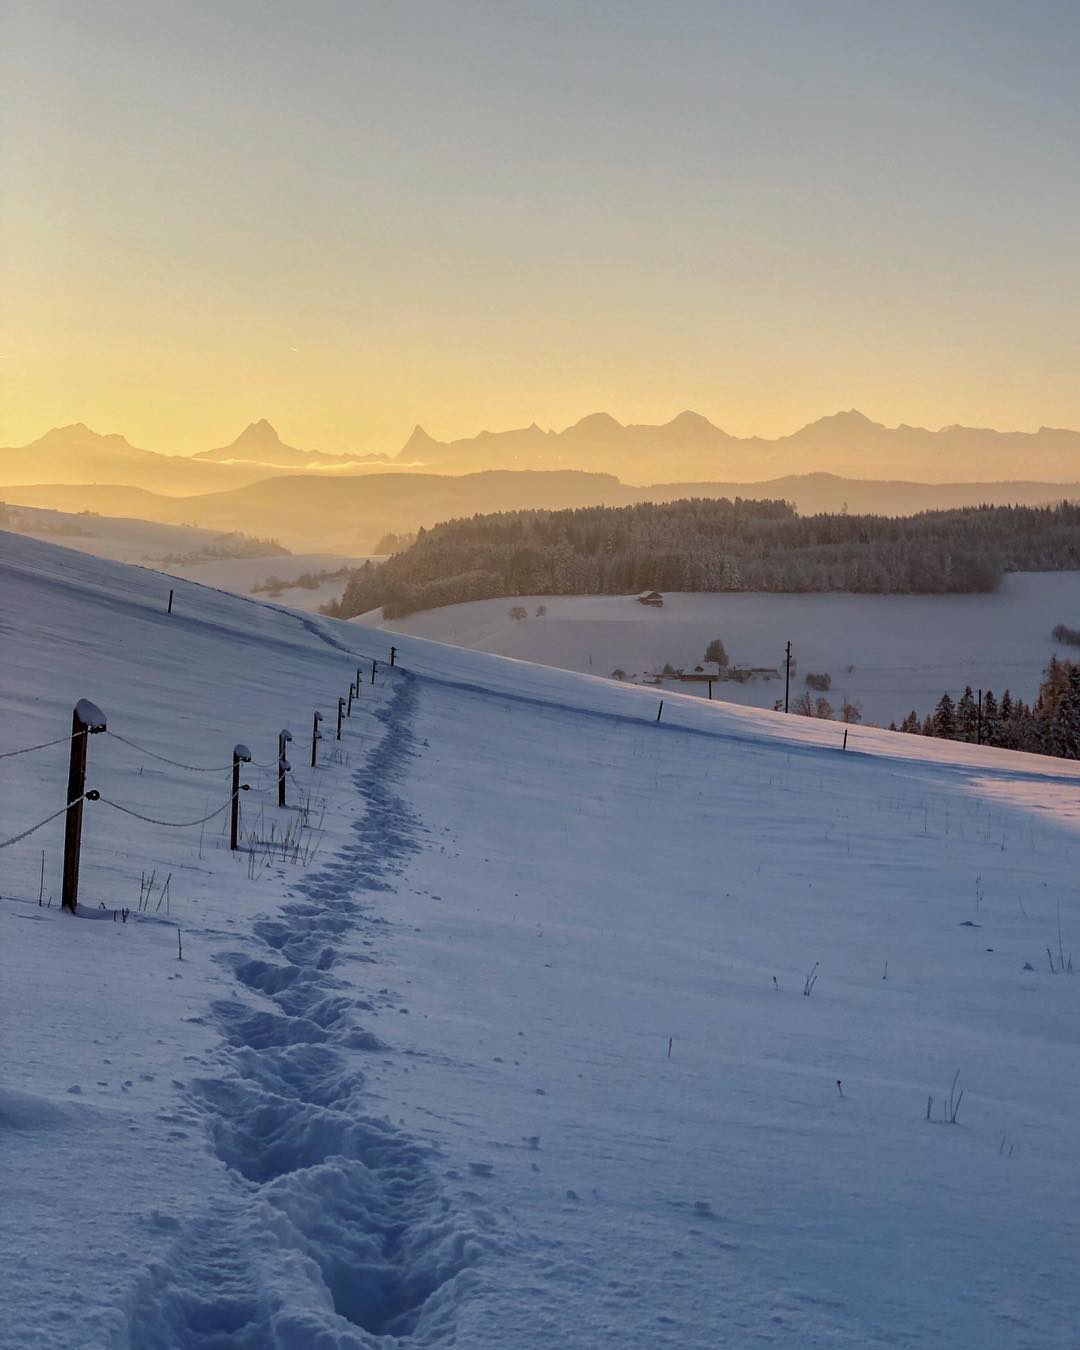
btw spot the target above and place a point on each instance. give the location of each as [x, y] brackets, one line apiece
[1065, 728]
[967, 716]
[944, 721]
[991, 720]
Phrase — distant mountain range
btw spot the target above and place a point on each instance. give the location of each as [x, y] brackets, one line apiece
[688, 448]
[310, 500]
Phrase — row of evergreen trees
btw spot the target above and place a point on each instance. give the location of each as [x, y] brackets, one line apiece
[713, 544]
[1049, 726]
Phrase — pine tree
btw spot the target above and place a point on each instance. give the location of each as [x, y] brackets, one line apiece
[991, 720]
[1065, 728]
[944, 722]
[967, 716]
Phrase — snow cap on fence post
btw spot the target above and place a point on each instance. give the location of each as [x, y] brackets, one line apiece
[90, 715]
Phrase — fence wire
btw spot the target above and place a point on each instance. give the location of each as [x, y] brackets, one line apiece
[171, 824]
[10, 754]
[191, 768]
[16, 838]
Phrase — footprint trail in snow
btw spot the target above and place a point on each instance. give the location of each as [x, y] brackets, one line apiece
[338, 1230]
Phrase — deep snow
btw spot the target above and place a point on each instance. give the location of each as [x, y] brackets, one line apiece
[421, 1088]
[903, 651]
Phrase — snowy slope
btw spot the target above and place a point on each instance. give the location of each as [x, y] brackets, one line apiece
[420, 1090]
[903, 651]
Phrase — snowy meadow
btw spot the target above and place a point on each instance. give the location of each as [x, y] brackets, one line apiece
[888, 653]
[542, 1015]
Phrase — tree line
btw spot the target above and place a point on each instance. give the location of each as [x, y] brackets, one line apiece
[1049, 726]
[713, 544]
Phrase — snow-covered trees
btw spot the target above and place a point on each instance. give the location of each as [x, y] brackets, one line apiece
[1049, 726]
[944, 720]
[714, 544]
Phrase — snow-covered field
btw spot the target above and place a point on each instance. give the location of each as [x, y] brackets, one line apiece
[240, 574]
[521, 1056]
[888, 653]
[148, 542]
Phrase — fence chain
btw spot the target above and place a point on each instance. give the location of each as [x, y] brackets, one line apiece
[171, 824]
[15, 839]
[10, 754]
[192, 768]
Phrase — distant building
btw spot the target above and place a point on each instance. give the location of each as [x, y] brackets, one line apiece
[650, 598]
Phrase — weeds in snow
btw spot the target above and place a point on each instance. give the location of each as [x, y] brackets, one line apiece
[949, 1109]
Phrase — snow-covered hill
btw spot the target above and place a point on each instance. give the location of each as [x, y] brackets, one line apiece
[521, 1055]
[889, 653]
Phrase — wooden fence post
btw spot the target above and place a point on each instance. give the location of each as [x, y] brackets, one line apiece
[283, 765]
[315, 738]
[87, 720]
[240, 755]
[170, 602]
[340, 711]
[374, 663]
[393, 655]
[348, 710]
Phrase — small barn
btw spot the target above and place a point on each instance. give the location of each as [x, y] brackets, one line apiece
[650, 598]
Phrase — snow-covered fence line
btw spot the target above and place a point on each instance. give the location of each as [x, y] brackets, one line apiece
[88, 720]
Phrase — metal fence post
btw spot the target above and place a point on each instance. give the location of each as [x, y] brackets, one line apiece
[240, 755]
[87, 720]
[283, 765]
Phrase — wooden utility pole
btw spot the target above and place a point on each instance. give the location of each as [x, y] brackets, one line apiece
[240, 755]
[283, 765]
[787, 675]
[87, 720]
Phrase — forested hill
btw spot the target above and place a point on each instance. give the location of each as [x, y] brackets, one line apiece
[714, 545]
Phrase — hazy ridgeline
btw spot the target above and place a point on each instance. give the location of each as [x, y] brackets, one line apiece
[714, 545]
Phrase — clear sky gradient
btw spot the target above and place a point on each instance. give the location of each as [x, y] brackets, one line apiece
[350, 217]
